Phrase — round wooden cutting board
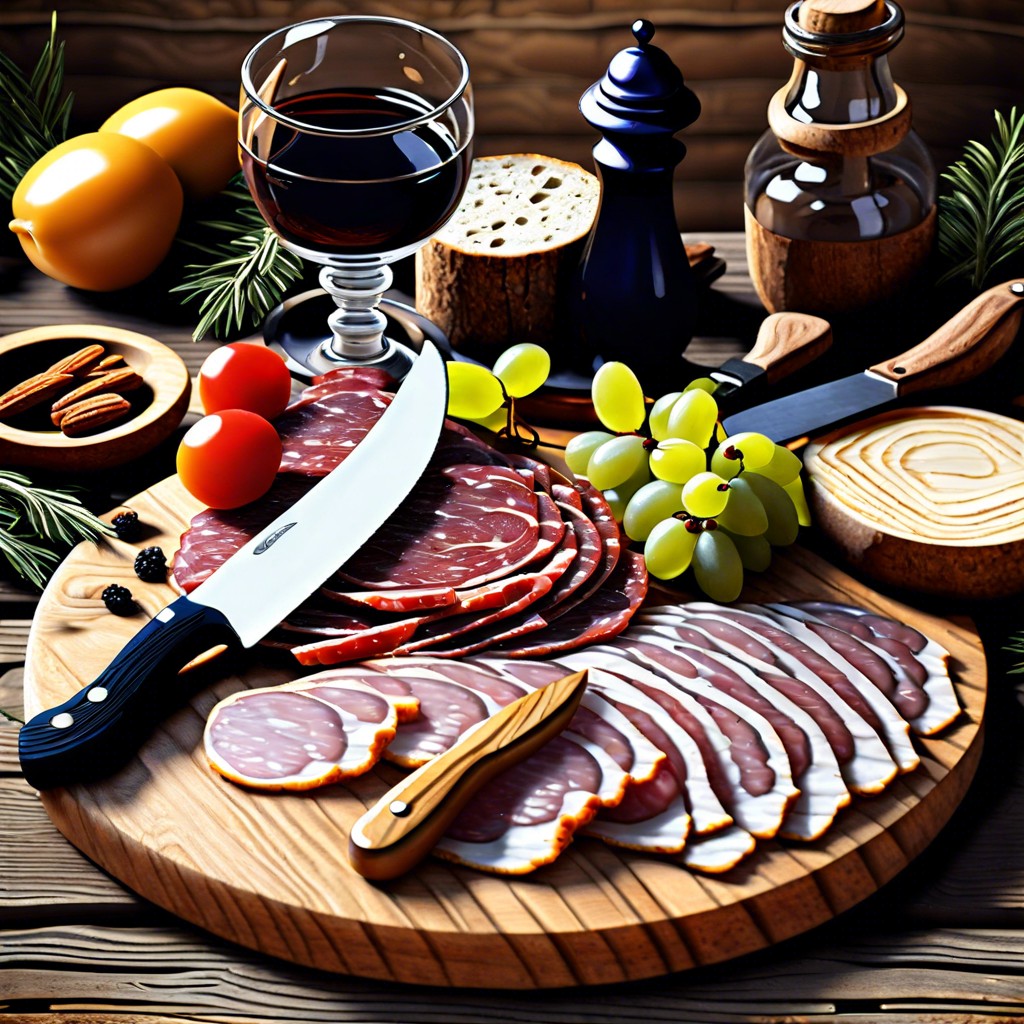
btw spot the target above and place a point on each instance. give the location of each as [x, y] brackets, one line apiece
[271, 871]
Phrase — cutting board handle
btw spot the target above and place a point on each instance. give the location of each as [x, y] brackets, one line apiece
[964, 346]
[94, 733]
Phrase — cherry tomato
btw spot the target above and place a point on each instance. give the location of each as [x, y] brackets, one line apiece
[194, 132]
[229, 458]
[244, 376]
[98, 212]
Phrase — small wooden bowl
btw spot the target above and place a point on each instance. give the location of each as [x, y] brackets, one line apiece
[158, 407]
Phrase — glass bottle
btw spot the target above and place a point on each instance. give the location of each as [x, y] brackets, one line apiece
[840, 191]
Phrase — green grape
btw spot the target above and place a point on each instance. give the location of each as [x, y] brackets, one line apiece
[618, 497]
[659, 415]
[653, 502]
[725, 465]
[616, 461]
[669, 549]
[744, 514]
[702, 384]
[618, 398]
[717, 566]
[783, 524]
[579, 449]
[497, 420]
[719, 433]
[676, 460]
[705, 494]
[473, 391]
[755, 552]
[795, 490]
[522, 369]
[783, 466]
[693, 417]
[756, 449]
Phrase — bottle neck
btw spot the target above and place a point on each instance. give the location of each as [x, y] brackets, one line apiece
[849, 95]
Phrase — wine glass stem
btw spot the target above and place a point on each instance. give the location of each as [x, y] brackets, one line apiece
[357, 324]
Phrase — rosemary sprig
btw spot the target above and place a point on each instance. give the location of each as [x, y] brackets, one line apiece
[54, 519]
[247, 274]
[1016, 645]
[35, 113]
[981, 220]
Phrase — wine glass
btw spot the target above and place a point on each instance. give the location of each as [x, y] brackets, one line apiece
[355, 135]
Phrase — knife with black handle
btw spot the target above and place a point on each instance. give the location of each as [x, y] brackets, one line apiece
[96, 730]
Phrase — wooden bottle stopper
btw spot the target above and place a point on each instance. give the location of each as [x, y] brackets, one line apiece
[840, 17]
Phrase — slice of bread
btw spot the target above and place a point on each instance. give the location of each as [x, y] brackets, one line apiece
[499, 272]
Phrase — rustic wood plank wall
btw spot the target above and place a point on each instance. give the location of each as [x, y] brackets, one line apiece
[531, 60]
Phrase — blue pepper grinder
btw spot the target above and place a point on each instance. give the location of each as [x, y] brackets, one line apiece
[635, 299]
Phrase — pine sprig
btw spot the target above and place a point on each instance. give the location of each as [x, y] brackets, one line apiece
[981, 218]
[248, 271]
[36, 112]
[53, 518]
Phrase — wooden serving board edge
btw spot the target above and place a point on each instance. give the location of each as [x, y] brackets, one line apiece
[598, 915]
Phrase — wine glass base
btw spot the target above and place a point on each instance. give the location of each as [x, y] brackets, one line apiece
[297, 329]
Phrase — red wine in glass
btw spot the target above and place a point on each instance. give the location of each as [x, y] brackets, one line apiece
[367, 195]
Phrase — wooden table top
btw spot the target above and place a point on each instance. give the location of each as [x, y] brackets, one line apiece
[944, 941]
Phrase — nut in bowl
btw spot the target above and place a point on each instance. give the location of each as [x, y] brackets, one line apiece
[83, 397]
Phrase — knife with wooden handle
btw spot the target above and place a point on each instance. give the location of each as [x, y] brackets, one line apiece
[785, 343]
[407, 822]
[960, 349]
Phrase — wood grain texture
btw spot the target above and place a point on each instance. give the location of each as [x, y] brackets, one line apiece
[270, 871]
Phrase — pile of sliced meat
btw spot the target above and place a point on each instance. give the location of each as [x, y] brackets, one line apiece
[489, 552]
[704, 729]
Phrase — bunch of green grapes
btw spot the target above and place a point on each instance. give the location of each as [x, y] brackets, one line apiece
[487, 396]
[693, 496]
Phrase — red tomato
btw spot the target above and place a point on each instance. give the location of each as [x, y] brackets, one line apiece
[229, 458]
[243, 376]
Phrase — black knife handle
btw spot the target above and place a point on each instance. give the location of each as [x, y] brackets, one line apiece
[98, 729]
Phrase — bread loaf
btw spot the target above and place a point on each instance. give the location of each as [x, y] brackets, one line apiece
[500, 270]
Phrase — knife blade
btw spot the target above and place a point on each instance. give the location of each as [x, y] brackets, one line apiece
[785, 343]
[966, 345]
[94, 732]
[406, 823]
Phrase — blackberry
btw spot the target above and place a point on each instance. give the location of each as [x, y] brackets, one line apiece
[126, 525]
[151, 565]
[119, 600]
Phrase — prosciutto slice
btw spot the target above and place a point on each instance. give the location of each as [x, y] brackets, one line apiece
[917, 662]
[864, 759]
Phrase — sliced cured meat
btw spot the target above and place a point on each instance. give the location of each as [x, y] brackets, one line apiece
[528, 814]
[215, 535]
[894, 729]
[815, 769]
[657, 814]
[753, 780]
[273, 739]
[504, 598]
[601, 616]
[534, 617]
[719, 852]
[916, 660]
[567, 495]
[462, 527]
[864, 759]
[348, 694]
[352, 378]
[541, 470]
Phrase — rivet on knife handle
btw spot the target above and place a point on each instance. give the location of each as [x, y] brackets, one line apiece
[407, 822]
[788, 341]
[962, 347]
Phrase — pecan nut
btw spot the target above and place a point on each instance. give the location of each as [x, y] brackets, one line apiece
[115, 381]
[80, 361]
[92, 412]
[40, 388]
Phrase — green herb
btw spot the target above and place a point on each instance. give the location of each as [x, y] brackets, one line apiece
[53, 518]
[1016, 645]
[981, 220]
[35, 116]
[248, 272]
